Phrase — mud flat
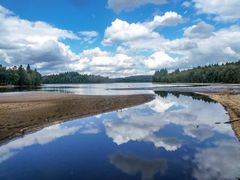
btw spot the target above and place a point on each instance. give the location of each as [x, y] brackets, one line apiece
[25, 112]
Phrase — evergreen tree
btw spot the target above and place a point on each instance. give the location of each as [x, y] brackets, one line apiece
[19, 76]
[226, 73]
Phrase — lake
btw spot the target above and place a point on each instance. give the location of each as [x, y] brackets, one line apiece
[175, 136]
[95, 89]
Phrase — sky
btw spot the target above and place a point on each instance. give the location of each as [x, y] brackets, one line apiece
[118, 38]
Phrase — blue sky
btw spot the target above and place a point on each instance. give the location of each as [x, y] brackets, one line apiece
[118, 37]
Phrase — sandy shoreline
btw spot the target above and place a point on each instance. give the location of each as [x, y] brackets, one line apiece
[231, 102]
[24, 112]
[226, 94]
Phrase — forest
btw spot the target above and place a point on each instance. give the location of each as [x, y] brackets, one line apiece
[73, 78]
[19, 76]
[140, 78]
[225, 73]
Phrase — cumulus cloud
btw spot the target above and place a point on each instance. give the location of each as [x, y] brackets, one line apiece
[119, 5]
[168, 19]
[223, 10]
[123, 32]
[158, 60]
[105, 63]
[201, 44]
[140, 45]
[40, 45]
[213, 47]
[200, 30]
[36, 43]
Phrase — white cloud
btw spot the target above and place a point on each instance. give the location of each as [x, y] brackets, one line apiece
[168, 19]
[200, 30]
[221, 46]
[212, 49]
[35, 43]
[105, 63]
[119, 5]
[159, 60]
[88, 36]
[223, 10]
[122, 32]
[89, 33]
[26, 33]
[140, 45]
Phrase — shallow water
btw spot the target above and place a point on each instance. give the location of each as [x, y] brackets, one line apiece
[95, 89]
[174, 136]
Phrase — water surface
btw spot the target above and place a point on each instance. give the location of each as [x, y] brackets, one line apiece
[95, 89]
[174, 136]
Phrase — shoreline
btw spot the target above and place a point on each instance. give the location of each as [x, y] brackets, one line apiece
[231, 102]
[26, 112]
[48, 113]
[228, 95]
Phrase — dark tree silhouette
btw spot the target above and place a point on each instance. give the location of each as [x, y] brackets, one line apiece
[19, 76]
[226, 73]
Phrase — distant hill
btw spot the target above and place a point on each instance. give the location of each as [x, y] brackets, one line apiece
[75, 77]
[226, 73]
[140, 78]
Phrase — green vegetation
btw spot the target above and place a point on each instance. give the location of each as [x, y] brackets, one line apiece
[194, 96]
[141, 78]
[19, 76]
[227, 73]
[73, 77]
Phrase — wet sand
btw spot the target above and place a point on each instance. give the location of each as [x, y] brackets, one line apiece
[231, 101]
[25, 112]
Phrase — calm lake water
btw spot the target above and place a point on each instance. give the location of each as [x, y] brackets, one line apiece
[175, 136]
[95, 89]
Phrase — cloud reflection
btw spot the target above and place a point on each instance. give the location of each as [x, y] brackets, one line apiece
[133, 165]
[197, 118]
[201, 132]
[41, 137]
[219, 162]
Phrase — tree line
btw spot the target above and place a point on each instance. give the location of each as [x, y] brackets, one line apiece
[225, 73]
[72, 78]
[75, 77]
[19, 76]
